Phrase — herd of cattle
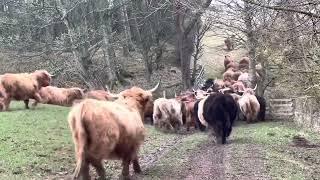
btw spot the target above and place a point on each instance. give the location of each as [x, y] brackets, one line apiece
[105, 125]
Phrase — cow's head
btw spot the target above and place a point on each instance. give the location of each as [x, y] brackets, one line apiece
[77, 93]
[138, 97]
[249, 91]
[200, 94]
[42, 77]
[186, 96]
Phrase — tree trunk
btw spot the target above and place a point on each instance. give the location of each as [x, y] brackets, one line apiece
[251, 42]
[105, 47]
[126, 27]
[185, 39]
[144, 45]
[81, 55]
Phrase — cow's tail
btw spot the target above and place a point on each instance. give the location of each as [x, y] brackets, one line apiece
[80, 136]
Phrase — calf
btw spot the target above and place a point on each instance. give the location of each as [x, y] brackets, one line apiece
[109, 130]
[59, 96]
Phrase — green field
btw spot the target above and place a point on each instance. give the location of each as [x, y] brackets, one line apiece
[36, 144]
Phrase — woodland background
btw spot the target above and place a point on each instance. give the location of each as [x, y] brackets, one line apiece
[119, 43]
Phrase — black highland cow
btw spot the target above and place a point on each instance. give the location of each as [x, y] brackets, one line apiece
[219, 111]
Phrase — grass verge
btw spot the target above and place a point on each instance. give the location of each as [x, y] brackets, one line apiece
[37, 143]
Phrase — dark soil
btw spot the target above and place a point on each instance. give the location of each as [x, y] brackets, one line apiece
[221, 162]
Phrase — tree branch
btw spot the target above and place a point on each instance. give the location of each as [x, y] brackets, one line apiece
[196, 17]
[279, 8]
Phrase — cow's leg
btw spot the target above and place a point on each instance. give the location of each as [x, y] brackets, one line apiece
[217, 132]
[125, 169]
[82, 167]
[7, 101]
[37, 99]
[136, 165]
[26, 103]
[35, 103]
[97, 164]
[82, 170]
[168, 122]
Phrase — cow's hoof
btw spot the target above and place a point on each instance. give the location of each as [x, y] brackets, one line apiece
[137, 169]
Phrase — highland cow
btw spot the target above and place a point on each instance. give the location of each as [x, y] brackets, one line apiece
[59, 96]
[23, 86]
[249, 105]
[109, 130]
[244, 64]
[99, 95]
[168, 113]
[217, 111]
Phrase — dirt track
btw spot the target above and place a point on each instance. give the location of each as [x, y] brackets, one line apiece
[231, 161]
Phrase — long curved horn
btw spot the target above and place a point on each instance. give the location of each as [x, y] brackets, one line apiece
[255, 87]
[155, 88]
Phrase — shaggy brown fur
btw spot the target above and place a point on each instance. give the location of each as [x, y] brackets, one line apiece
[227, 60]
[188, 115]
[99, 95]
[190, 120]
[219, 84]
[2, 97]
[109, 130]
[233, 65]
[24, 86]
[244, 63]
[59, 96]
[237, 86]
[228, 75]
[229, 83]
[236, 75]
[148, 111]
[244, 77]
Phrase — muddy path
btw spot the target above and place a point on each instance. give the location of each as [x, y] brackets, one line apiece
[231, 161]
